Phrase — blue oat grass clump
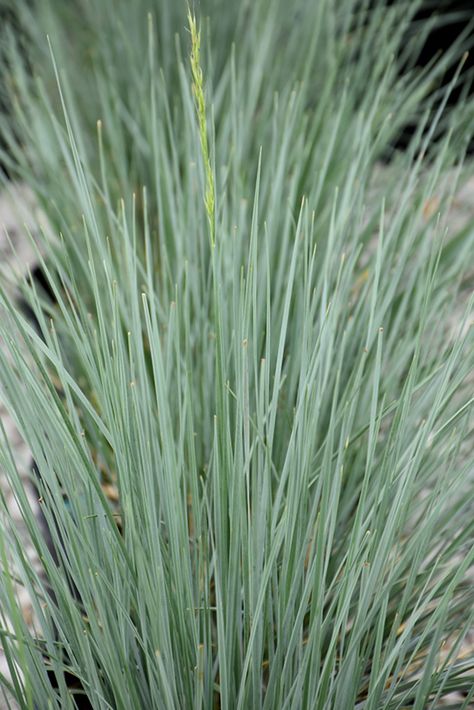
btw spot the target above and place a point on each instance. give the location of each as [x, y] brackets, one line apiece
[244, 376]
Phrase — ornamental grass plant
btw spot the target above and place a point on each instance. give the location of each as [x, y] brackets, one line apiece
[248, 393]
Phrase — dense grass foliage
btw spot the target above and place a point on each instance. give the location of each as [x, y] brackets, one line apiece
[247, 408]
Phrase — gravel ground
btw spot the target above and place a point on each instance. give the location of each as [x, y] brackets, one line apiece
[18, 217]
